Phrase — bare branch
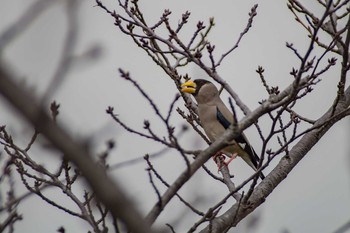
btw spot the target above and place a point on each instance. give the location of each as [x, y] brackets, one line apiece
[108, 191]
[234, 214]
[252, 14]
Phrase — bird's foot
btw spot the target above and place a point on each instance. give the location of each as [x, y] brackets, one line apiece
[219, 155]
[219, 159]
[233, 156]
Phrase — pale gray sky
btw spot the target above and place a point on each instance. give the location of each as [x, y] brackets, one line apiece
[314, 198]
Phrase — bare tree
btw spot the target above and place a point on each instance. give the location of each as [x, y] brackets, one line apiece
[288, 137]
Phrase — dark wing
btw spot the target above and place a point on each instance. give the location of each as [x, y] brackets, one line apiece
[222, 119]
[254, 158]
[241, 140]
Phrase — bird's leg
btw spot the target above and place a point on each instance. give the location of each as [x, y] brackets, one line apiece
[234, 155]
[219, 159]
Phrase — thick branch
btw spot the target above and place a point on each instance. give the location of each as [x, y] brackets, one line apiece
[107, 190]
[271, 104]
[237, 212]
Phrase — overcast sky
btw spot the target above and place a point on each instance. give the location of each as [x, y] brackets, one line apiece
[315, 197]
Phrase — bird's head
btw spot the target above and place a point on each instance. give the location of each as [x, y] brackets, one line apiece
[194, 86]
[201, 89]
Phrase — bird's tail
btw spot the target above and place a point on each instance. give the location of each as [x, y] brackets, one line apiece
[253, 159]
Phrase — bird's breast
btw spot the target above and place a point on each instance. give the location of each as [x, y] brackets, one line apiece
[210, 124]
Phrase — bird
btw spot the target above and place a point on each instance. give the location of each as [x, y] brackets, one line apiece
[215, 118]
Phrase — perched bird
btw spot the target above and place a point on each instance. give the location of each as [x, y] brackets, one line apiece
[215, 118]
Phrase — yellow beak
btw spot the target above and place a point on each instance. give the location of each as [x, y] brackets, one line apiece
[189, 87]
